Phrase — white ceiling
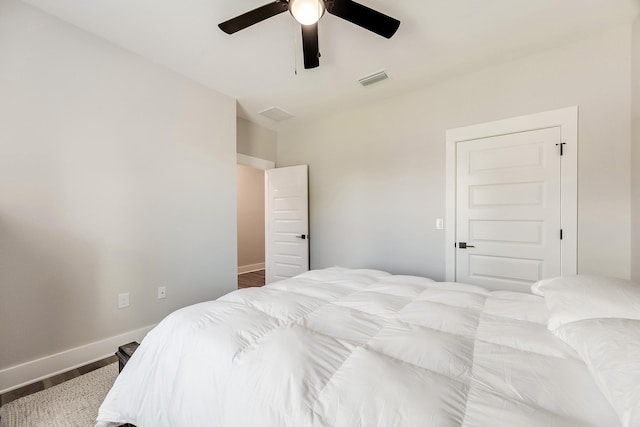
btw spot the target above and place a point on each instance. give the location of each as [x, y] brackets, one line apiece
[256, 65]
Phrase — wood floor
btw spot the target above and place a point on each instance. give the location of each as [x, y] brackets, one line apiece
[251, 280]
[37, 386]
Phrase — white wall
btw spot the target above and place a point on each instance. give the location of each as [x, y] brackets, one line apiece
[635, 159]
[377, 174]
[250, 218]
[115, 176]
[256, 141]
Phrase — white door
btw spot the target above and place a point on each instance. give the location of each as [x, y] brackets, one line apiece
[508, 216]
[287, 222]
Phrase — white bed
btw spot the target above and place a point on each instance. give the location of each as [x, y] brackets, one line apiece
[350, 348]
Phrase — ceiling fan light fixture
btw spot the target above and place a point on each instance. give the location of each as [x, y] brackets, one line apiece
[307, 12]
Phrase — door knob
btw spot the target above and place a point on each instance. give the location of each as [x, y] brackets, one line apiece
[302, 236]
[463, 245]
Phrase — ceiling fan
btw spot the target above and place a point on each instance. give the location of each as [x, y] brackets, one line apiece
[308, 13]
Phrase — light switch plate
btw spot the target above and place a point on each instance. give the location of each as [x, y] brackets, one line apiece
[439, 224]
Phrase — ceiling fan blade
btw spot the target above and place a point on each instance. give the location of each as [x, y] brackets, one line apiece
[254, 16]
[310, 46]
[363, 16]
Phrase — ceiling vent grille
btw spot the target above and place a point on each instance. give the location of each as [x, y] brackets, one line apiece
[373, 78]
[276, 114]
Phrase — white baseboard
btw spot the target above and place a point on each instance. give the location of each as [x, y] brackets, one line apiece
[26, 373]
[251, 267]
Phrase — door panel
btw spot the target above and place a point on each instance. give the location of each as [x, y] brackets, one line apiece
[507, 269]
[506, 231]
[495, 195]
[287, 222]
[508, 209]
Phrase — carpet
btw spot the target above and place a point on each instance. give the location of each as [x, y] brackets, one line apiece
[73, 403]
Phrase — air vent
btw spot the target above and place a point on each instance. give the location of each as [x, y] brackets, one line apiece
[276, 114]
[373, 78]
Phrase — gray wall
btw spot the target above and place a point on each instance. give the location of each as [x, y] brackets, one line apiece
[377, 173]
[635, 159]
[256, 141]
[115, 176]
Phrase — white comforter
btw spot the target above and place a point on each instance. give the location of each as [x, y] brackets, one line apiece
[352, 348]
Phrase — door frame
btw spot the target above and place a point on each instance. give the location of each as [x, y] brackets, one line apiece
[567, 120]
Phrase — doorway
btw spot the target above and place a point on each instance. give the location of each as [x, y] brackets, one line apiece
[273, 221]
[251, 220]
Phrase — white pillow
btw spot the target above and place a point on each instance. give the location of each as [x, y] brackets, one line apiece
[611, 350]
[573, 298]
[538, 287]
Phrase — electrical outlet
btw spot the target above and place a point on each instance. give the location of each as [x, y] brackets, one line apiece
[162, 292]
[123, 300]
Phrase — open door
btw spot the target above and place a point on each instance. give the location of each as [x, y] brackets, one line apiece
[286, 222]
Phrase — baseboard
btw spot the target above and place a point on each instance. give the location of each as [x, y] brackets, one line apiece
[251, 267]
[48, 366]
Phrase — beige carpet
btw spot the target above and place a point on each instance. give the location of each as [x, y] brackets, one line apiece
[73, 403]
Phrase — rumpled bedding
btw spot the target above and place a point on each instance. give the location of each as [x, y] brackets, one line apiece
[599, 317]
[340, 347]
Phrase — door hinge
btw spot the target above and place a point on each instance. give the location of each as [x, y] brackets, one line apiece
[561, 234]
[561, 145]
